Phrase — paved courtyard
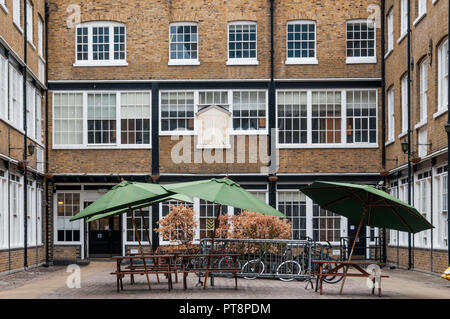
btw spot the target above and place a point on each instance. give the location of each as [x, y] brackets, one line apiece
[97, 283]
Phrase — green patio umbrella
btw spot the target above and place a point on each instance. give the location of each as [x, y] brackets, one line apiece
[178, 197]
[223, 192]
[127, 196]
[121, 196]
[367, 205]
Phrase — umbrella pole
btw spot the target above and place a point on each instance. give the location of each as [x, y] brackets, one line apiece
[212, 244]
[148, 235]
[140, 248]
[353, 248]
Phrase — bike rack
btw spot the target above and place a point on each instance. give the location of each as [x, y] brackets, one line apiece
[269, 255]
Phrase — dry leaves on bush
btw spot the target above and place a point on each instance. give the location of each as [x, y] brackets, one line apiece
[179, 225]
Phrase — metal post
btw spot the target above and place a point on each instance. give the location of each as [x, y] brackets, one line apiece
[410, 264]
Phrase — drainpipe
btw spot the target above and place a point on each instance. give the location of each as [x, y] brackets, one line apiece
[47, 188]
[383, 85]
[272, 112]
[410, 263]
[25, 137]
[383, 107]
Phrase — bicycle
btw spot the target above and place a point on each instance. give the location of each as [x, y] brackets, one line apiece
[320, 252]
[224, 262]
[256, 267]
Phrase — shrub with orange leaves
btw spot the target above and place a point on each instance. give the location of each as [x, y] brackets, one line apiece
[253, 225]
[179, 225]
[223, 226]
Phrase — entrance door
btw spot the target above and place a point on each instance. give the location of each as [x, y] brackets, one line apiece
[105, 238]
[361, 241]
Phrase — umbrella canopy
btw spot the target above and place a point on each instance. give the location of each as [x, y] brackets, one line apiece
[121, 196]
[378, 208]
[178, 197]
[224, 192]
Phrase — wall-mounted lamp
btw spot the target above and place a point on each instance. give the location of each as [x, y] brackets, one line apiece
[31, 148]
[447, 128]
[405, 147]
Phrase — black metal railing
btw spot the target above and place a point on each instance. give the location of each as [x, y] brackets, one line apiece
[282, 259]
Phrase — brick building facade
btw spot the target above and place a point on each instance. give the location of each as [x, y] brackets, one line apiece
[428, 116]
[183, 57]
[22, 134]
[297, 87]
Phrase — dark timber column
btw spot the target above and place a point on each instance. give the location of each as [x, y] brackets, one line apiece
[155, 158]
[272, 113]
[410, 237]
[25, 137]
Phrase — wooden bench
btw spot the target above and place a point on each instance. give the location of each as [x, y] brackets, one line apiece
[208, 266]
[156, 263]
[133, 270]
[321, 275]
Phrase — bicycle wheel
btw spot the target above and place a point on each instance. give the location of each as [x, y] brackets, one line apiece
[332, 279]
[198, 263]
[228, 263]
[252, 269]
[288, 269]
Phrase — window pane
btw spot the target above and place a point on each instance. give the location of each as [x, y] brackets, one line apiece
[68, 118]
[183, 42]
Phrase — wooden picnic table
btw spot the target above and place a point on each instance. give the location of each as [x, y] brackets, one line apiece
[209, 266]
[156, 268]
[358, 265]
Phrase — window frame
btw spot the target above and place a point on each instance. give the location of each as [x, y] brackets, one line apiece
[15, 117]
[390, 31]
[85, 144]
[90, 61]
[3, 6]
[343, 143]
[301, 61]
[421, 10]
[30, 26]
[242, 61]
[361, 60]
[16, 232]
[442, 78]
[422, 186]
[4, 209]
[4, 88]
[196, 92]
[391, 114]
[403, 19]
[423, 91]
[309, 211]
[142, 230]
[177, 62]
[56, 242]
[404, 82]
[439, 213]
[17, 14]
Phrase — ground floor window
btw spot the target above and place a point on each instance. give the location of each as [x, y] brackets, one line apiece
[441, 215]
[142, 225]
[16, 216]
[293, 206]
[326, 225]
[68, 205]
[207, 216]
[3, 210]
